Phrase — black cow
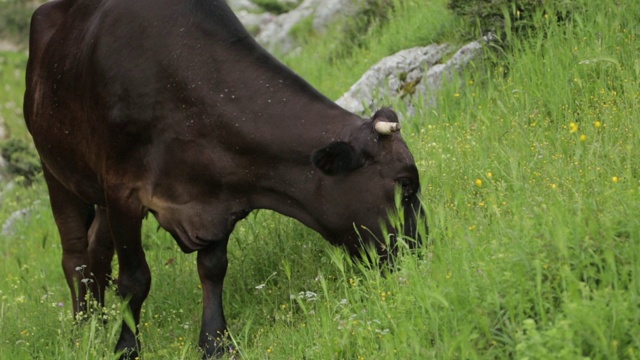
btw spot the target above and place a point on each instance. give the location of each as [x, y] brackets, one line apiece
[169, 107]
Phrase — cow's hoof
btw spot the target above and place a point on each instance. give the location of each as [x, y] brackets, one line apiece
[127, 348]
[128, 354]
[220, 351]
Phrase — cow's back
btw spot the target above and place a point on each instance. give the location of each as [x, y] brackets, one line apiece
[118, 87]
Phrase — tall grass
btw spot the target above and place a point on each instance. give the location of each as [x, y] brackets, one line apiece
[530, 176]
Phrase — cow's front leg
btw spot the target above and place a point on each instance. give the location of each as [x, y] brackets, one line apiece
[134, 277]
[212, 267]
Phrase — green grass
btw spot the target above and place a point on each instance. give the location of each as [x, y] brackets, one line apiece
[12, 67]
[530, 175]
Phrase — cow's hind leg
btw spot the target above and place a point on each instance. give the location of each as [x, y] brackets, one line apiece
[134, 278]
[100, 254]
[72, 216]
[212, 267]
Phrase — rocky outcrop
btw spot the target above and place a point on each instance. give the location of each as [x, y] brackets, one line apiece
[11, 224]
[409, 74]
[274, 32]
[398, 75]
[416, 72]
[238, 5]
[254, 22]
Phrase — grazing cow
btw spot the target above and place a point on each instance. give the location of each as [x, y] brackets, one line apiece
[169, 107]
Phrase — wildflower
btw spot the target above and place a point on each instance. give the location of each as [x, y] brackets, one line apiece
[489, 174]
[308, 295]
[583, 137]
[478, 182]
[597, 124]
[573, 127]
[456, 95]
[615, 179]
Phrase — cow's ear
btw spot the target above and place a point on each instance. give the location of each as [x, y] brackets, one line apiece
[337, 158]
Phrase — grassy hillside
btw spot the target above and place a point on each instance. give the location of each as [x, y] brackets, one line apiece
[12, 67]
[530, 175]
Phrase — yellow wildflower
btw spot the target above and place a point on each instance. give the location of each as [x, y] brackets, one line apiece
[573, 127]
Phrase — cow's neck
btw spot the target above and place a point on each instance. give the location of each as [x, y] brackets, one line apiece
[289, 126]
[270, 104]
[266, 116]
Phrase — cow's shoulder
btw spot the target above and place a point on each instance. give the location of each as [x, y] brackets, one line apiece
[45, 21]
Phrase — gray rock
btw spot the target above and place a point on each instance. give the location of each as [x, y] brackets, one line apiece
[393, 76]
[276, 36]
[254, 22]
[410, 73]
[330, 10]
[456, 64]
[10, 226]
[237, 5]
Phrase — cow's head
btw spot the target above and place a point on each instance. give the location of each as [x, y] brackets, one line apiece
[362, 178]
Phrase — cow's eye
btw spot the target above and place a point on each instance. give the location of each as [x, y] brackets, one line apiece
[406, 185]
